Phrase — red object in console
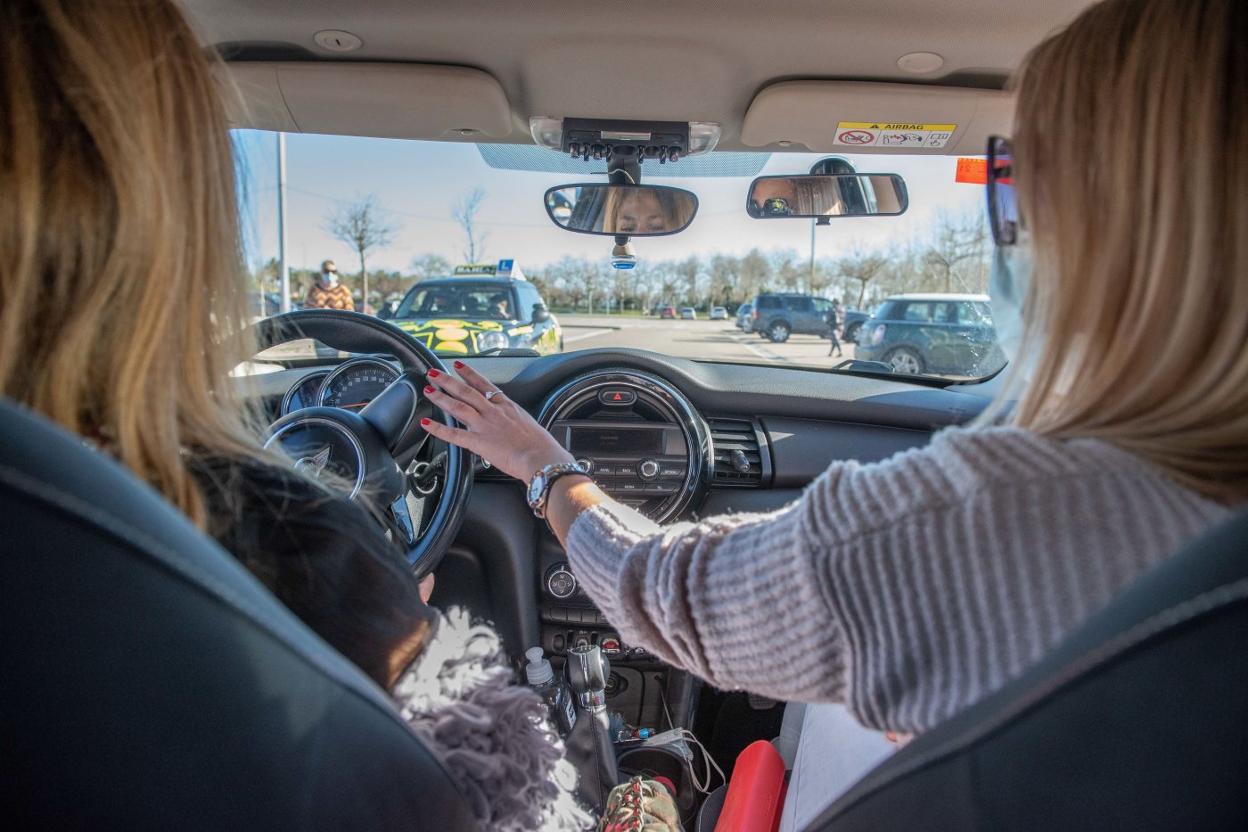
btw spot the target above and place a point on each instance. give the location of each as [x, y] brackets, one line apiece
[755, 793]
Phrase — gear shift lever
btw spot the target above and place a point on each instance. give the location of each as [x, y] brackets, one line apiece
[587, 675]
[589, 745]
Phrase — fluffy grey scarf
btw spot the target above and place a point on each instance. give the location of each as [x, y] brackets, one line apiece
[492, 734]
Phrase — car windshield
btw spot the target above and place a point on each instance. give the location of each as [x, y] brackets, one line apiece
[896, 294]
[470, 301]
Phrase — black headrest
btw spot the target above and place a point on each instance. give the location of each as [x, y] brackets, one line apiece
[1137, 721]
[150, 682]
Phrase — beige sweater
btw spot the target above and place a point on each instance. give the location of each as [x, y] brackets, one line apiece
[907, 589]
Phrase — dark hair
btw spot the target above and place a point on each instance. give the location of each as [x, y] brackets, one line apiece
[322, 556]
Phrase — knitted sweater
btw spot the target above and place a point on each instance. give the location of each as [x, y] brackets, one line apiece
[909, 588]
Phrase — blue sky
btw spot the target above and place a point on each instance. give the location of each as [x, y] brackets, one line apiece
[417, 183]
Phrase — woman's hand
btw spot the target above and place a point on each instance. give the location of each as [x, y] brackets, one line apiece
[495, 429]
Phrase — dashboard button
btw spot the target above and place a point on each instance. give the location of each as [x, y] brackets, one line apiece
[561, 583]
[648, 469]
[618, 396]
[604, 469]
[629, 486]
[661, 488]
[669, 471]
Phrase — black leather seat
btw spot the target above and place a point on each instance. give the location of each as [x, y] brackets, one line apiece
[1138, 721]
[149, 682]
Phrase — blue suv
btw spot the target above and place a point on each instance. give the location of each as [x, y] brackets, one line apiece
[937, 334]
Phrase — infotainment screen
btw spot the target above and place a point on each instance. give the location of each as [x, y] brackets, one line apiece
[616, 440]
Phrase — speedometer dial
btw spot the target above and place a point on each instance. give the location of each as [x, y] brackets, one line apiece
[356, 383]
[304, 393]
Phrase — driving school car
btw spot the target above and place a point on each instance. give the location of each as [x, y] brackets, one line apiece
[481, 309]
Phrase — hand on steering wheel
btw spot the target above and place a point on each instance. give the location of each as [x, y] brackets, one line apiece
[494, 427]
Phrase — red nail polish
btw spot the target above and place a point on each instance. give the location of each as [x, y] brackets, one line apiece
[433, 374]
[459, 365]
[424, 423]
[428, 388]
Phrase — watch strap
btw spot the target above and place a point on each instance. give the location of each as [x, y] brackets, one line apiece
[549, 474]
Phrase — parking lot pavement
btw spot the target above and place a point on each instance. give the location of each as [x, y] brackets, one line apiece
[695, 339]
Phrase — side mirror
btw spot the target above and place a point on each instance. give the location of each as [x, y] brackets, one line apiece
[829, 195]
[621, 210]
[540, 313]
[387, 310]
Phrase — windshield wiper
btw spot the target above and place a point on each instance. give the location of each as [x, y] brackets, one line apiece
[858, 365]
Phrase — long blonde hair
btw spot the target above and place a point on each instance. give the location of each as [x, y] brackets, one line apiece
[121, 290]
[1131, 158]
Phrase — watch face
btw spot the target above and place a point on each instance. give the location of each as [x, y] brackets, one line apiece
[536, 486]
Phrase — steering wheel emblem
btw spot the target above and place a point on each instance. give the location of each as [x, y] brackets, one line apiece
[315, 464]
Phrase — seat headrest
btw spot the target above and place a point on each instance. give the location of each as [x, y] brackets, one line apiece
[1135, 721]
[158, 683]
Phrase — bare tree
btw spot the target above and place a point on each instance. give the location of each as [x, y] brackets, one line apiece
[465, 213]
[427, 266]
[958, 253]
[863, 267]
[364, 226]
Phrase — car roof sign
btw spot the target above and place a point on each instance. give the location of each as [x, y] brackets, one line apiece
[475, 270]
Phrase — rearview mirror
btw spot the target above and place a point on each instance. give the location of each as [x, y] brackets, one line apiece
[834, 195]
[628, 210]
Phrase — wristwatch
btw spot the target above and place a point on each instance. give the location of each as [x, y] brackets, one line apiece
[539, 485]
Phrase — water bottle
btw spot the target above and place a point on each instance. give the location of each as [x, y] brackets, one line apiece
[554, 693]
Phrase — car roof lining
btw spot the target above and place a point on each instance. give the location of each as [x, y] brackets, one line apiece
[724, 61]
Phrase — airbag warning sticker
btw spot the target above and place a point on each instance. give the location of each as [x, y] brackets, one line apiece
[893, 134]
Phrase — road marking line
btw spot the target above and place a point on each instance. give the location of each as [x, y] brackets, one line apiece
[593, 333]
[759, 351]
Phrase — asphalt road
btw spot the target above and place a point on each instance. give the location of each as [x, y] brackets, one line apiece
[695, 339]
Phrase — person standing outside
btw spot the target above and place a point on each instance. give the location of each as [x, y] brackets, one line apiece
[328, 292]
[834, 324]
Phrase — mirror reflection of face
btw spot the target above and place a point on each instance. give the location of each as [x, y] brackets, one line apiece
[640, 211]
[781, 188]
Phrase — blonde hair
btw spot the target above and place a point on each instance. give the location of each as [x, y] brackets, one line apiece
[676, 210]
[121, 290]
[1131, 159]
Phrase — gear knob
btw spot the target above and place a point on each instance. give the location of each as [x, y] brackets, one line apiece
[587, 675]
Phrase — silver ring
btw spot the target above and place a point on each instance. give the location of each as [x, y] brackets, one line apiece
[490, 394]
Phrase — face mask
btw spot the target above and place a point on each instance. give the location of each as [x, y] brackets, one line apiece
[1007, 291]
[329, 279]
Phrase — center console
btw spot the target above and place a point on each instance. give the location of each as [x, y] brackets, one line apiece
[646, 446]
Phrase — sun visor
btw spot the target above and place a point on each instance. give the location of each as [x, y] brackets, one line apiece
[386, 100]
[869, 117]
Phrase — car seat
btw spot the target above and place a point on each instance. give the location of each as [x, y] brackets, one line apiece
[150, 682]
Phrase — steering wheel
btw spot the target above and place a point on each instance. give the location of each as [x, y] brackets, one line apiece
[417, 487]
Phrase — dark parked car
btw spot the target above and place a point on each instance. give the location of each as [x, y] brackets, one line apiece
[940, 334]
[851, 324]
[777, 315]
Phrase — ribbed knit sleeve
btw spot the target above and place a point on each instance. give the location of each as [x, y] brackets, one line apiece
[909, 588]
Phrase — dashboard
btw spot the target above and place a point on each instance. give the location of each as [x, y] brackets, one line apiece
[677, 439]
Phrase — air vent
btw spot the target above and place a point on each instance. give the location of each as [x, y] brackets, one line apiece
[736, 442]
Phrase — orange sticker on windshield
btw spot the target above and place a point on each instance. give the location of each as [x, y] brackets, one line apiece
[972, 171]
